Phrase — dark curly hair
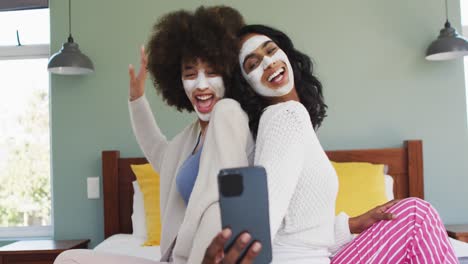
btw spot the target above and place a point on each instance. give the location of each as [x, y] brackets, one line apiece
[308, 87]
[208, 34]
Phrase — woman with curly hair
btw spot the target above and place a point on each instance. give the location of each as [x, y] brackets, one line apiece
[191, 61]
[191, 58]
[285, 105]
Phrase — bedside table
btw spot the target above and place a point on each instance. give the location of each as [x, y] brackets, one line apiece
[37, 251]
[459, 232]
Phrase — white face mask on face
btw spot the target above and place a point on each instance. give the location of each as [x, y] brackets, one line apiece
[254, 78]
[215, 84]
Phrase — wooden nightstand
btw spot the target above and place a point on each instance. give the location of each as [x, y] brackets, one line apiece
[37, 251]
[459, 232]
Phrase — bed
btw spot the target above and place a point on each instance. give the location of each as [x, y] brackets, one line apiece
[405, 165]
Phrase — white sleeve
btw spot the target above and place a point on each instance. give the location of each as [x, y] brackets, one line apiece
[206, 231]
[342, 233]
[280, 149]
[152, 142]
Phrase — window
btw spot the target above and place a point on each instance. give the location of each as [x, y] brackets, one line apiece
[25, 179]
[464, 19]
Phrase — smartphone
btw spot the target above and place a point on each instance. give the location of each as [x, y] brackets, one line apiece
[243, 198]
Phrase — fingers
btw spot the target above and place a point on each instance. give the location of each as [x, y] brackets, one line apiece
[215, 251]
[252, 253]
[386, 216]
[131, 72]
[143, 57]
[382, 213]
[387, 205]
[236, 250]
[392, 202]
[143, 63]
[137, 81]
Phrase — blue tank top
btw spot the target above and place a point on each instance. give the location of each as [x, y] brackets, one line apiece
[188, 175]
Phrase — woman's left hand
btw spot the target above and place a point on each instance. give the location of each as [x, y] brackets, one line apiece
[362, 222]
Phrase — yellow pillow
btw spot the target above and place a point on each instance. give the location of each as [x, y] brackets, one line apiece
[361, 187]
[148, 180]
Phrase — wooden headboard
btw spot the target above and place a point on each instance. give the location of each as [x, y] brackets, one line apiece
[405, 165]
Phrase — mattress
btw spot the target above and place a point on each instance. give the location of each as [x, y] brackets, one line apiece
[461, 250]
[129, 245]
[126, 244]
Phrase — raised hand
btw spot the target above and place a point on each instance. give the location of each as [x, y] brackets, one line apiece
[137, 82]
[215, 254]
[362, 222]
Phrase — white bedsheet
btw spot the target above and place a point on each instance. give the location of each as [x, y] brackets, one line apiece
[126, 244]
[129, 245]
[461, 248]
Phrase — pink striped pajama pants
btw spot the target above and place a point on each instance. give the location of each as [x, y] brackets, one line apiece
[417, 235]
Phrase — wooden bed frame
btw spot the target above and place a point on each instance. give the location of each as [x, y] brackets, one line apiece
[405, 164]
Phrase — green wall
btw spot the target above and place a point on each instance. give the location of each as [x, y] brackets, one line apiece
[368, 53]
[4, 243]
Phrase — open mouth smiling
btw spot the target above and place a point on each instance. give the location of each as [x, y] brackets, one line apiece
[204, 97]
[204, 102]
[277, 77]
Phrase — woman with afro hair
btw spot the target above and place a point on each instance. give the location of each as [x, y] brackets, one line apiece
[191, 58]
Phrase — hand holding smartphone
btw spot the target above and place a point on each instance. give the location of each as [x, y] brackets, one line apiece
[243, 197]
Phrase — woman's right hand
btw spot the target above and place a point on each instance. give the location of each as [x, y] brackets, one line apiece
[215, 254]
[137, 83]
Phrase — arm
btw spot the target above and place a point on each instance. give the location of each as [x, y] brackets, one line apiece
[345, 226]
[149, 136]
[280, 149]
[343, 233]
[152, 142]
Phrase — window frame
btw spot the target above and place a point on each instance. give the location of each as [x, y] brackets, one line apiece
[36, 51]
[15, 5]
[464, 33]
[24, 52]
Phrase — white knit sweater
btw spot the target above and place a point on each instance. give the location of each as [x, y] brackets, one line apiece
[302, 186]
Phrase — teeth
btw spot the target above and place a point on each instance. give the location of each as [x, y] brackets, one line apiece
[204, 97]
[276, 73]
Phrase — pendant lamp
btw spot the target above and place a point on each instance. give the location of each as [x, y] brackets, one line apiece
[449, 45]
[70, 60]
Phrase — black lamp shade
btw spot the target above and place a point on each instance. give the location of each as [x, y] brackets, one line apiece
[70, 61]
[449, 45]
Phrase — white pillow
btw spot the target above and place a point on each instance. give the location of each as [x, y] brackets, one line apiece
[389, 187]
[138, 215]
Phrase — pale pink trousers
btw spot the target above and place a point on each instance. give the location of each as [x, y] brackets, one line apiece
[417, 235]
